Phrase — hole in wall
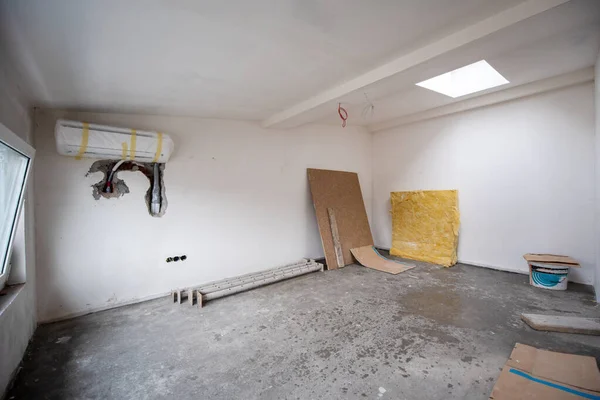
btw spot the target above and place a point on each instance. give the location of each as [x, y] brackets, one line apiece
[111, 187]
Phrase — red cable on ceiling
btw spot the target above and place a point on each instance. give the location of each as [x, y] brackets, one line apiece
[343, 114]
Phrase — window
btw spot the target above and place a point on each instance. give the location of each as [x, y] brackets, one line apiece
[466, 80]
[16, 158]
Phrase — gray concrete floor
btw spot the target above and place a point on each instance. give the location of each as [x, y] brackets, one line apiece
[428, 333]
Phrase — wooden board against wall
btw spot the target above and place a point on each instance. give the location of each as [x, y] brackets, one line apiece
[341, 192]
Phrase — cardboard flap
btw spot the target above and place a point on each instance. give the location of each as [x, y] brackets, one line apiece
[551, 259]
[578, 371]
[513, 385]
[522, 357]
[370, 258]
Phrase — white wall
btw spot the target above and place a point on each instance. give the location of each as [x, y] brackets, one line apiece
[238, 201]
[524, 171]
[597, 104]
[17, 319]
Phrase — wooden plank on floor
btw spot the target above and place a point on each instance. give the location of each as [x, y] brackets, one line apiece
[561, 323]
[335, 235]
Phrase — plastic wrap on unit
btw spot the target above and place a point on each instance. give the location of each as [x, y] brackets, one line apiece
[84, 140]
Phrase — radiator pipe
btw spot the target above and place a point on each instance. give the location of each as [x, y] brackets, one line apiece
[238, 281]
[221, 281]
[237, 289]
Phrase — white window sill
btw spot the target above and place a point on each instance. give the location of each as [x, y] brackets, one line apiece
[8, 295]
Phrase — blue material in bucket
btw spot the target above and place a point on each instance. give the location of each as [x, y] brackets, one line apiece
[549, 278]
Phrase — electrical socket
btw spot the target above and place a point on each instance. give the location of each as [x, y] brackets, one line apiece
[176, 258]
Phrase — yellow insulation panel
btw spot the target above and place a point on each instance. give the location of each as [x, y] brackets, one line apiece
[425, 226]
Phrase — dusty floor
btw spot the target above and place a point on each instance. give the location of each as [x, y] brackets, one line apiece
[428, 333]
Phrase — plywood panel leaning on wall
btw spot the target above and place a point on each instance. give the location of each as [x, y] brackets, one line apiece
[340, 192]
[425, 225]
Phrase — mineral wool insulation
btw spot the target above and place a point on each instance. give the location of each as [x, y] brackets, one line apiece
[425, 226]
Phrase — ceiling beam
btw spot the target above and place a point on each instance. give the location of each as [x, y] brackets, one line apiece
[451, 42]
[512, 93]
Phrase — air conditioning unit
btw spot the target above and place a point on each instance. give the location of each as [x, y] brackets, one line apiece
[81, 139]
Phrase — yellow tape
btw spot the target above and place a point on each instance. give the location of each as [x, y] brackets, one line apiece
[133, 138]
[85, 136]
[124, 153]
[158, 147]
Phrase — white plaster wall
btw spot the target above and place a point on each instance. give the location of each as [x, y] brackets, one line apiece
[597, 104]
[524, 171]
[17, 319]
[238, 202]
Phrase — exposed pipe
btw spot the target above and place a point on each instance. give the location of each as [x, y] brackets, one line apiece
[108, 187]
[155, 198]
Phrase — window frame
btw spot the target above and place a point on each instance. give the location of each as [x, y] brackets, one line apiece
[10, 139]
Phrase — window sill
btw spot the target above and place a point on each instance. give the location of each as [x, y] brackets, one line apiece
[8, 295]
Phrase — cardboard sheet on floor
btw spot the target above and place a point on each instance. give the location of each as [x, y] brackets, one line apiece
[425, 226]
[339, 191]
[532, 373]
[370, 258]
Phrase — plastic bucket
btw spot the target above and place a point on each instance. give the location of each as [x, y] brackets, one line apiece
[548, 276]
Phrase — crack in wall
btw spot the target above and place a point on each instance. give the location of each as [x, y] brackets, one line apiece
[119, 187]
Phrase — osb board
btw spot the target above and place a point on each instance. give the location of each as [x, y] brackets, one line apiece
[532, 373]
[425, 226]
[340, 191]
[370, 258]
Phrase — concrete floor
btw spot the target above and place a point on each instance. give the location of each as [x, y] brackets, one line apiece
[428, 333]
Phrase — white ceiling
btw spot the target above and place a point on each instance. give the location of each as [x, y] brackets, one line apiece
[558, 41]
[244, 59]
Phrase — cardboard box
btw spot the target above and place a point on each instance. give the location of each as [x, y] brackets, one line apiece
[531, 373]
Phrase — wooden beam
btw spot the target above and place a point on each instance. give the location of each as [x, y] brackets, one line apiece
[561, 323]
[451, 42]
[337, 245]
[512, 93]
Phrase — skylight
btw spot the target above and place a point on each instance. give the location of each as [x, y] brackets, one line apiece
[466, 80]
